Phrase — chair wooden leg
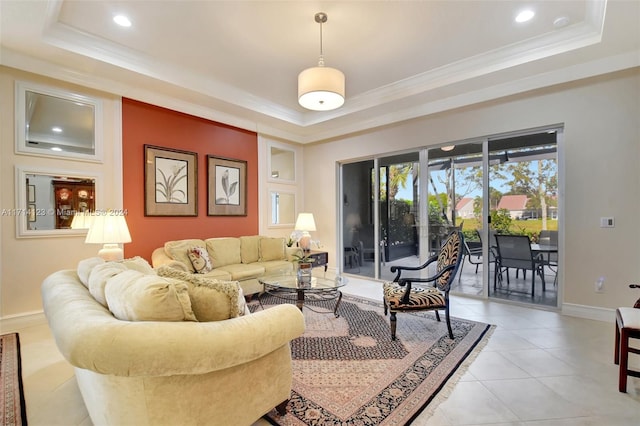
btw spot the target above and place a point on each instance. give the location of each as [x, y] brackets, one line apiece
[392, 322]
[624, 361]
[616, 352]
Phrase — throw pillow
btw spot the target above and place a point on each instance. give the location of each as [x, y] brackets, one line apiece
[200, 260]
[211, 299]
[85, 266]
[177, 250]
[138, 263]
[134, 296]
[99, 277]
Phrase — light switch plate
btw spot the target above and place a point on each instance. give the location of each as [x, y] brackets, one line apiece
[607, 222]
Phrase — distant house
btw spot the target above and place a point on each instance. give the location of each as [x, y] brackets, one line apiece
[516, 204]
[464, 208]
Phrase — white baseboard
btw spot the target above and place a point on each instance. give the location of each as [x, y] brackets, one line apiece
[16, 322]
[589, 312]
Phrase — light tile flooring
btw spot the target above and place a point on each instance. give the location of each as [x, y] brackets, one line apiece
[538, 368]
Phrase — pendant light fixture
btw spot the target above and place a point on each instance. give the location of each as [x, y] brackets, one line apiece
[321, 88]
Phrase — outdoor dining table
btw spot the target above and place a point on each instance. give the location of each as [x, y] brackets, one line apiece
[544, 248]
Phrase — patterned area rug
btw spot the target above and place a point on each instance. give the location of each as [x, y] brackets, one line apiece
[12, 394]
[348, 371]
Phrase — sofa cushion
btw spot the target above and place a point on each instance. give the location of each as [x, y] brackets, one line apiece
[241, 271]
[211, 299]
[200, 260]
[250, 248]
[99, 276]
[274, 267]
[139, 264]
[224, 251]
[218, 274]
[178, 250]
[85, 266]
[272, 249]
[134, 296]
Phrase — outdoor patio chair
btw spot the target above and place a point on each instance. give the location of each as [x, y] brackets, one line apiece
[401, 296]
[514, 251]
[473, 254]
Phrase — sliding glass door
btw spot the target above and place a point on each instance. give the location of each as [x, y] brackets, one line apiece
[500, 187]
[380, 215]
[456, 202]
[398, 209]
[523, 178]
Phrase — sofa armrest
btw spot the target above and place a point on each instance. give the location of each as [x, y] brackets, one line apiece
[159, 258]
[90, 337]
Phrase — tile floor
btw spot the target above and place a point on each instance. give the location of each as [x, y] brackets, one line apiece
[538, 368]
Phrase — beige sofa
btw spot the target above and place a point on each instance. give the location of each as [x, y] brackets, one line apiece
[244, 259]
[167, 368]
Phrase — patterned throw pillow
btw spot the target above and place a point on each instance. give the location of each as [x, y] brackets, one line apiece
[200, 260]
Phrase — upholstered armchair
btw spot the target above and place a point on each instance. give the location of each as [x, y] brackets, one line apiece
[402, 295]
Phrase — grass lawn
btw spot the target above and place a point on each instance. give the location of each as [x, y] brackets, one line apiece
[530, 227]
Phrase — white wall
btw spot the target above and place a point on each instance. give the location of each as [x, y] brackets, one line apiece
[24, 263]
[601, 173]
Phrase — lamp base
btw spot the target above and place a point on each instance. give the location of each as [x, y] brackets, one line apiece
[305, 242]
[111, 252]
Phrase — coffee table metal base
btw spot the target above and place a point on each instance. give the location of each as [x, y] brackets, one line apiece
[301, 298]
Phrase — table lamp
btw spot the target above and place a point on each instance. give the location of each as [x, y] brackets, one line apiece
[82, 220]
[305, 223]
[110, 230]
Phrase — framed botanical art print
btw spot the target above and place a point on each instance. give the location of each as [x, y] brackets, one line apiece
[170, 182]
[227, 191]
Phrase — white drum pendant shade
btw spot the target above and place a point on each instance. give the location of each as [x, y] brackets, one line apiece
[321, 88]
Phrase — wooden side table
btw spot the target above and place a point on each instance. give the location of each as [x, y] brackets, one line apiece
[320, 258]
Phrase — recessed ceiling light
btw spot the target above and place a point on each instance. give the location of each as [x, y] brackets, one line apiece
[55, 148]
[56, 129]
[122, 20]
[561, 21]
[525, 15]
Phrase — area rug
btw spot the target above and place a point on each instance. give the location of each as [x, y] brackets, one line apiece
[348, 371]
[12, 394]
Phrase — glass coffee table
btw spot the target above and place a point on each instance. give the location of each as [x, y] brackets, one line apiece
[287, 286]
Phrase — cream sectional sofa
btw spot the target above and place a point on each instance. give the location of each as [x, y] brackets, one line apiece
[243, 259]
[145, 354]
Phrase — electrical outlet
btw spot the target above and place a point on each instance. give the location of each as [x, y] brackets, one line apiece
[599, 287]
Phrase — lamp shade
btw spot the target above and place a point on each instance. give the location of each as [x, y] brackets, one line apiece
[305, 222]
[82, 220]
[321, 88]
[108, 229]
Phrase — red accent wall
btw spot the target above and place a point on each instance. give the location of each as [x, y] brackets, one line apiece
[148, 124]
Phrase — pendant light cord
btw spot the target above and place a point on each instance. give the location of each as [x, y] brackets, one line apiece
[321, 18]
